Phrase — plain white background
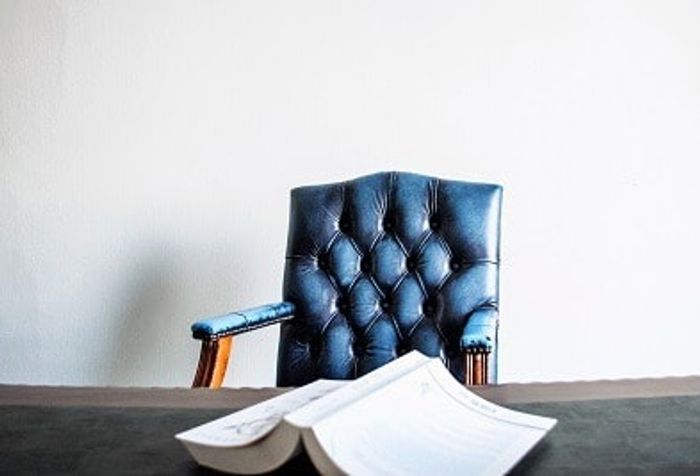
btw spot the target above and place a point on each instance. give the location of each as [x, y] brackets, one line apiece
[147, 151]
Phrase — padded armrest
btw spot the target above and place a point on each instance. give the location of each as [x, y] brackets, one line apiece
[242, 321]
[480, 331]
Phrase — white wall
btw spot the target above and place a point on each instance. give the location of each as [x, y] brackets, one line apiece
[147, 150]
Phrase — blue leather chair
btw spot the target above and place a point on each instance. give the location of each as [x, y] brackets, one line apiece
[376, 267]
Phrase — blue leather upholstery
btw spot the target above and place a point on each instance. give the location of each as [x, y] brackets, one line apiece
[385, 264]
[242, 321]
[480, 331]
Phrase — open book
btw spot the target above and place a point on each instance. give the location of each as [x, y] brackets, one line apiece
[407, 417]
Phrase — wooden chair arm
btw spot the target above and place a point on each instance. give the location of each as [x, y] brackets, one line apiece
[215, 353]
[476, 369]
[213, 361]
[217, 334]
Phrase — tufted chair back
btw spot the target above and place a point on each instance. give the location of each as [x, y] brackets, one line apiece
[382, 265]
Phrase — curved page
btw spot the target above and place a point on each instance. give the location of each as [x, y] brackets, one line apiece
[308, 415]
[423, 423]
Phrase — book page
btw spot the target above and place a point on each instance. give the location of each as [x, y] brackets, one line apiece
[249, 425]
[354, 390]
[424, 423]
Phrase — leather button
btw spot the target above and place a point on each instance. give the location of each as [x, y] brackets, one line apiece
[386, 305]
[429, 308]
[344, 225]
[388, 224]
[455, 265]
[434, 223]
[342, 305]
[411, 264]
[312, 350]
[357, 348]
[322, 262]
[366, 264]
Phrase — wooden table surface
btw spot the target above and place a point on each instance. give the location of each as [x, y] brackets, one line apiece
[204, 398]
[620, 426]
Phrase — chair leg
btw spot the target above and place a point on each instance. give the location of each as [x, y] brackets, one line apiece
[476, 371]
[213, 361]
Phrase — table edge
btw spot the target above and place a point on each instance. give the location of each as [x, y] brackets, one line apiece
[503, 394]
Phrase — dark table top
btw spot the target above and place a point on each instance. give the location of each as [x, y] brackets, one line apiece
[623, 426]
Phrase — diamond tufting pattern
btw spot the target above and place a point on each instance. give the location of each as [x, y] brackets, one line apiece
[382, 265]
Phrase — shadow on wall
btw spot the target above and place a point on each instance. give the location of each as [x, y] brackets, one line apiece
[162, 292]
[144, 325]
